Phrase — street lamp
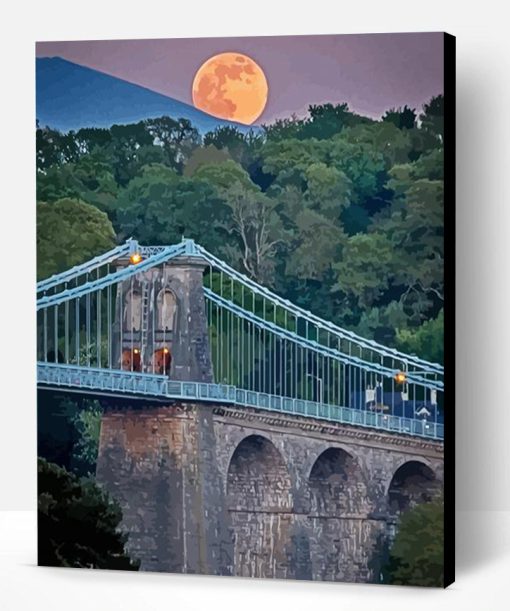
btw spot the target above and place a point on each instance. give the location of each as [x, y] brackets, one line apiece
[400, 377]
[320, 385]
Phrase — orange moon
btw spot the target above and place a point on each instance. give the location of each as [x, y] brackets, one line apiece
[231, 86]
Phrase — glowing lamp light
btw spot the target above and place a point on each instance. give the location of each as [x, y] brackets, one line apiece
[400, 377]
[135, 258]
[136, 351]
[166, 350]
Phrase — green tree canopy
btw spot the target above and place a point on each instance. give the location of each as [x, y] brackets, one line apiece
[432, 118]
[416, 557]
[427, 340]
[78, 523]
[70, 232]
[403, 118]
[89, 179]
[252, 218]
[160, 206]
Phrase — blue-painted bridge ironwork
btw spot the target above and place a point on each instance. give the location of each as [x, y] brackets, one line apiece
[111, 327]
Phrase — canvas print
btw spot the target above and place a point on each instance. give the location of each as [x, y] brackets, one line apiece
[242, 248]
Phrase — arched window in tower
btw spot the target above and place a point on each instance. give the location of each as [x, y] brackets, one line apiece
[133, 312]
[167, 309]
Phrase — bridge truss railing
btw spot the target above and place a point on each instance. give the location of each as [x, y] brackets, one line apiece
[109, 382]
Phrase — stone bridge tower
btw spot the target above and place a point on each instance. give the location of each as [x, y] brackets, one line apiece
[161, 324]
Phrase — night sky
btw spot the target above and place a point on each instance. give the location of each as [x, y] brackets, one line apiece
[372, 72]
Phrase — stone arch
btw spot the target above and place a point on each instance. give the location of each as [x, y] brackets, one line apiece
[258, 478]
[166, 308]
[259, 501]
[339, 517]
[162, 361]
[413, 482]
[337, 485]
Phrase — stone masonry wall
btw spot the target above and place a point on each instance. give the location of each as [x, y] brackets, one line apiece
[224, 490]
[159, 463]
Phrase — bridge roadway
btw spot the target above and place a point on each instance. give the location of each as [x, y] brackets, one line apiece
[112, 381]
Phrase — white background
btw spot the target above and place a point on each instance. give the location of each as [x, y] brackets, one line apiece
[483, 308]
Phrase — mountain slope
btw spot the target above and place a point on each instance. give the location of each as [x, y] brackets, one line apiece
[70, 96]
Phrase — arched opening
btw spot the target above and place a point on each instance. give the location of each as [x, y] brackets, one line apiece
[162, 360]
[339, 517]
[413, 483]
[166, 308]
[132, 360]
[259, 499]
[335, 484]
[133, 312]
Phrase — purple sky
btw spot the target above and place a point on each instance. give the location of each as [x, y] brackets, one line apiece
[372, 72]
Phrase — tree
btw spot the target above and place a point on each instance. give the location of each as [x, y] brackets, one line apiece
[177, 138]
[255, 222]
[403, 118]
[415, 230]
[53, 147]
[47, 148]
[206, 155]
[252, 218]
[227, 138]
[391, 144]
[68, 432]
[326, 120]
[427, 340]
[432, 118]
[365, 168]
[87, 422]
[315, 244]
[160, 206]
[416, 557]
[328, 190]
[283, 129]
[78, 523]
[366, 268]
[89, 179]
[70, 232]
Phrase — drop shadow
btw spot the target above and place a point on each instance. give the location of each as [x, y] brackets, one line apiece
[482, 538]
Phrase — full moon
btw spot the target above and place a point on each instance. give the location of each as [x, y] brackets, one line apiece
[231, 86]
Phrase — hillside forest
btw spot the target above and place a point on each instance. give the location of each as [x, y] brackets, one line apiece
[337, 212]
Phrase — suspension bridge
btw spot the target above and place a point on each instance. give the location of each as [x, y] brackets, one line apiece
[177, 323]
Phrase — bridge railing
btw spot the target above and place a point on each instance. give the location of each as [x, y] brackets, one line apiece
[111, 382]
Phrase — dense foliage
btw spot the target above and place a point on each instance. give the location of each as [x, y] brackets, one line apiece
[78, 523]
[337, 212]
[68, 431]
[417, 554]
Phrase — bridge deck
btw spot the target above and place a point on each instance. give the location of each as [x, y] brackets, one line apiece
[111, 381]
